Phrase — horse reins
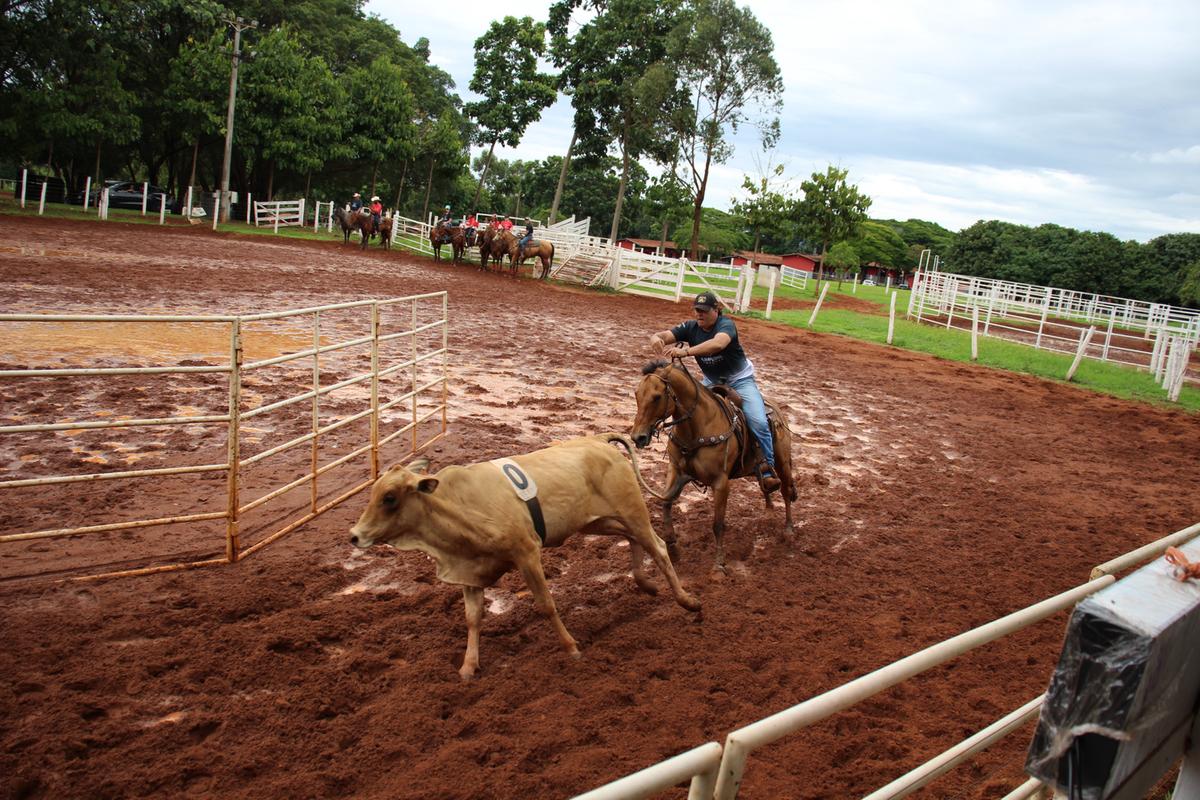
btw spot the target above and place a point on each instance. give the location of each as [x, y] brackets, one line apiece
[703, 441]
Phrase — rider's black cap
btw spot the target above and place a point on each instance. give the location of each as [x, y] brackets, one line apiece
[705, 301]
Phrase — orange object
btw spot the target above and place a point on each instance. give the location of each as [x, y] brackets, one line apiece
[1183, 569]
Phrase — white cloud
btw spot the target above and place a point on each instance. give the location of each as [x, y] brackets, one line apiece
[1077, 112]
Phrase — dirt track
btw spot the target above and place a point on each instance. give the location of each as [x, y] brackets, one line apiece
[934, 497]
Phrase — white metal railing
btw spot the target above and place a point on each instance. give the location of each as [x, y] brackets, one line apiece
[372, 338]
[1127, 332]
[740, 743]
[795, 278]
[698, 764]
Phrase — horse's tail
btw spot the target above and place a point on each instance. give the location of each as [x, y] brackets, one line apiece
[627, 443]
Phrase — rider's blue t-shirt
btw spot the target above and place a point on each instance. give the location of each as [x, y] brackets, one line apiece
[722, 367]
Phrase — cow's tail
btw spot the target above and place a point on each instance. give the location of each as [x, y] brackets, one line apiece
[627, 443]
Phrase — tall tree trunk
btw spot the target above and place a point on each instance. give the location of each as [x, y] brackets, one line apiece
[307, 182]
[483, 175]
[428, 189]
[374, 177]
[562, 179]
[662, 242]
[400, 188]
[195, 157]
[97, 180]
[271, 180]
[616, 221]
[820, 265]
[698, 206]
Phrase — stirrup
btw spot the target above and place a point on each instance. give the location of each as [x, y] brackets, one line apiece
[767, 478]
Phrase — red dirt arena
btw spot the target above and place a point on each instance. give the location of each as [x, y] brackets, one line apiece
[934, 497]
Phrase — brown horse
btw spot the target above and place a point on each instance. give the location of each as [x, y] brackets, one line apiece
[503, 243]
[484, 240]
[709, 442]
[366, 225]
[443, 233]
[541, 249]
[347, 220]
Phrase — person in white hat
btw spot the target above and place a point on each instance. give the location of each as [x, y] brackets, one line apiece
[376, 210]
[356, 202]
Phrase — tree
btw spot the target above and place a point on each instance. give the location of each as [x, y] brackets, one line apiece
[831, 210]
[506, 75]
[764, 209]
[843, 256]
[725, 58]
[880, 243]
[196, 93]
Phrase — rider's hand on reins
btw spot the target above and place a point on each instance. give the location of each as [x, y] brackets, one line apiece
[679, 352]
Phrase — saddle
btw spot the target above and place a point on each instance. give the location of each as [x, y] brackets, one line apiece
[728, 392]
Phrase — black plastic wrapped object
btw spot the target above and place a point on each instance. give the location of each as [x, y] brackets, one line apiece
[1122, 697]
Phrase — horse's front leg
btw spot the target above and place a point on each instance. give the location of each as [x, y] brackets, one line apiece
[676, 481]
[720, 488]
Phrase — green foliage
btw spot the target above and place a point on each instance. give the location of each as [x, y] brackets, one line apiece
[1051, 255]
[832, 209]
[880, 243]
[765, 210]
[725, 56]
[843, 256]
[506, 75]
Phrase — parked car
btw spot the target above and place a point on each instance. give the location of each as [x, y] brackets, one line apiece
[869, 282]
[128, 194]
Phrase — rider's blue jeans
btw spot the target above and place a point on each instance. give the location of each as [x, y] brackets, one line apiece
[526, 239]
[756, 415]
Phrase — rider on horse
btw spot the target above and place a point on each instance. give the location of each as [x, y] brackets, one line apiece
[528, 237]
[356, 202]
[712, 339]
[470, 225]
[376, 210]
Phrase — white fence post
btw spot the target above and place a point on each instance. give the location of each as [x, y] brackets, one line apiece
[776, 277]
[87, 192]
[24, 183]
[145, 196]
[975, 333]
[250, 205]
[162, 208]
[42, 199]
[892, 319]
[216, 208]
[817, 307]
[188, 208]
[1084, 340]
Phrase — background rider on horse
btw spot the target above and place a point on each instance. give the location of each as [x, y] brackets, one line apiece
[356, 202]
[470, 225]
[712, 339]
[376, 210]
[528, 237]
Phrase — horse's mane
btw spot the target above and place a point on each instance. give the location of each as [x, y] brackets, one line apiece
[654, 366]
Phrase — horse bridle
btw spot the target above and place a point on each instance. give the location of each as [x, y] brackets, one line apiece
[661, 424]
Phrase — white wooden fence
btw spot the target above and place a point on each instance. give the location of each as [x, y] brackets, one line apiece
[1130, 332]
[279, 213]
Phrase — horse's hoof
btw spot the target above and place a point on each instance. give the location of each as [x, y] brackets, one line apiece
[690, 603]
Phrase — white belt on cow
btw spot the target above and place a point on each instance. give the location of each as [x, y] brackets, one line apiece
[526, 488]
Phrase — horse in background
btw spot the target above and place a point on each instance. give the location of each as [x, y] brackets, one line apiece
[347, 221]
[541, 249]
[443, 233]
[503, 243]
[485, 246]
[366, 225]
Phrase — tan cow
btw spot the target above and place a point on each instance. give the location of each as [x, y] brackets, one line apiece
[472, 522]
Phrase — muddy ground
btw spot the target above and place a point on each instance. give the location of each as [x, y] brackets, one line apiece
[934, 497]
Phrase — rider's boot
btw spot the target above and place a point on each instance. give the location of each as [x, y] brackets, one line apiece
[767, 478]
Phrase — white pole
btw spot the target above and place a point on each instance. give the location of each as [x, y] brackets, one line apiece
[317, 217]
[892, 319]
[854, 288]
[1112, 318]
[301, 223]
[87, 192]
[188, 209]
[216, 208]
[1156, 354]
[774, 282]
[1042, 325]
[249, 205]
[42, 199]
[276, 219]
[1084, 340]
[145, 195]
[817, 307]
[975, 333]
[162, 208]
[329, 222]
[24, 182]
[104, 203]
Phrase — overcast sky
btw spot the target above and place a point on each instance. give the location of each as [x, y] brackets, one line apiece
[1084, 114]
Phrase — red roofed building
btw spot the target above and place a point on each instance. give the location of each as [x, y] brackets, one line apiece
[650, 246]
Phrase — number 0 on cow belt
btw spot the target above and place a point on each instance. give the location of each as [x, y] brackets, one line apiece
[526, 489]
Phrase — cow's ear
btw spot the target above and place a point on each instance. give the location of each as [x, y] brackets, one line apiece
[427, 485]
[419, 465]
